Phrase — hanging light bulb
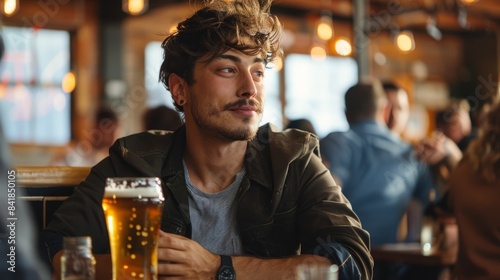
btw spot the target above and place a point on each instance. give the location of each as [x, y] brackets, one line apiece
[10, 7]
[68, 82]
[325, 28]
[468, 2]
[343, 47]
[318, 53]
[405, 41]
[135, 7]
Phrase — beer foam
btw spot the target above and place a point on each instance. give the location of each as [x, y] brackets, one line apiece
[133, 192]
[133, 187]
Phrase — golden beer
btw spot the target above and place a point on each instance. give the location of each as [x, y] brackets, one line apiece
[133, 209]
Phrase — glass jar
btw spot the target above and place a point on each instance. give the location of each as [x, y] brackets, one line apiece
[77, 262]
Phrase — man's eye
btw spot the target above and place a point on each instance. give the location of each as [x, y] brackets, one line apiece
[259, 73]
[227, 70]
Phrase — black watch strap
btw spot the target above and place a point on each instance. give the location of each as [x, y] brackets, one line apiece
[226, 261]
[226, 270]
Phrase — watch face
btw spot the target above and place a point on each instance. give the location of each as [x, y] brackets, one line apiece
[226, 273]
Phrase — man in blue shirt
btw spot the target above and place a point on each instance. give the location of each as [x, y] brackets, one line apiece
[379, 173]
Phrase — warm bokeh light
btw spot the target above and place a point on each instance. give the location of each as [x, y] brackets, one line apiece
[135, 7]
[318, 53]
[405, 41]
[468, 2]
[68, 82]
[343, 47]
[10, 7]
[325, 28]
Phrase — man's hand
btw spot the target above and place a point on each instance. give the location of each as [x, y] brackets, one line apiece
[432, 150]
[437, 148]
[184, 258]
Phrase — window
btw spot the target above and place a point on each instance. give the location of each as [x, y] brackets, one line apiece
[33, 106]
[272, 107]
[157, 94]
[315, 90]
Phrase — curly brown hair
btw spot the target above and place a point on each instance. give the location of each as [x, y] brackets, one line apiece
[244, 25]
[484, 152]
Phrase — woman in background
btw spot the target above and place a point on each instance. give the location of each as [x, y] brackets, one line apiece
[474, 196]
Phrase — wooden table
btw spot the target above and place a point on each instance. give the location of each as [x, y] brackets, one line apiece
[411, 253]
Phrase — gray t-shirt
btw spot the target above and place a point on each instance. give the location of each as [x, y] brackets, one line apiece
[213, 217]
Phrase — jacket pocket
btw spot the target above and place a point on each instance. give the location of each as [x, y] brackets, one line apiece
[277, 238]
[173, 226]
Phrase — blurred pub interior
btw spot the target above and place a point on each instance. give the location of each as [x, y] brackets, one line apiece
[64, 58]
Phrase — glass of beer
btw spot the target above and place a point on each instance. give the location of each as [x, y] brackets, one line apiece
[133, 209]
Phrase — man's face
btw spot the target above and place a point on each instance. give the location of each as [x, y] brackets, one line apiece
[399, 110]
[227, 97]
[457, 126]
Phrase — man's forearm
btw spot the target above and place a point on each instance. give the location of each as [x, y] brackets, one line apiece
[283, 268]
[103, 268]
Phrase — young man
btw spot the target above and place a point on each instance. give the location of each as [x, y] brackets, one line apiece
[399, 108]
[260, 196]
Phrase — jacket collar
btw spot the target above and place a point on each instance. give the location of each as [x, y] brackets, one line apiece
[270, 150]
[270, 153]
[175, 148]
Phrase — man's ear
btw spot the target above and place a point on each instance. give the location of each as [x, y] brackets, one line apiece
[178, 87]
[387, 111]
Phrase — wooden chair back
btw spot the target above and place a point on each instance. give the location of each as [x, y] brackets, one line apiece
[45, 187]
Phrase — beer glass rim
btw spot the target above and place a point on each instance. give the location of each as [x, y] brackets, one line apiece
[133, 178]
[156, 180]
[149, 183]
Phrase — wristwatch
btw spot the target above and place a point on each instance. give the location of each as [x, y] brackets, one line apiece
[226, 270]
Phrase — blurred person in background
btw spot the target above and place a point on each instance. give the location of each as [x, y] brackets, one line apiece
[438, 146]
[434, 149]
[378, 171]
[398, 112]
[474, 198]
[94, 147]
[437, 150]
[161, 118]
[455, 122]
[19, 259]
[397, 116]
[302, 124]
[19, 253]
